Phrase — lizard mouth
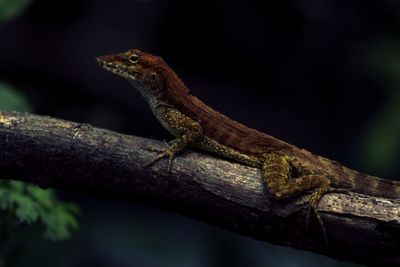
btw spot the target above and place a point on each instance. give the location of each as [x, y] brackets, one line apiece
[118, 69]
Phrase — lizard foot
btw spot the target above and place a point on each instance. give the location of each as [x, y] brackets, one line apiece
[313, 208]
[163, 153]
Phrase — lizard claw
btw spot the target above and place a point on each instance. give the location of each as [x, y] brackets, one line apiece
[313, 202]
[312, 208]
[163, 153]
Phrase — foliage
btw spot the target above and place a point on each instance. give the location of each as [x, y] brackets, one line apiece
[30, 204]
[11, 8]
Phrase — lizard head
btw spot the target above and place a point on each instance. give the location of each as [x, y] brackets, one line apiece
[153, 78]
[143, 70]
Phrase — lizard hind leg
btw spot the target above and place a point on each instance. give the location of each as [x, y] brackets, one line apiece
[276, 173]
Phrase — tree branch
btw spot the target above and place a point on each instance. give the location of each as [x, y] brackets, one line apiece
[78, 157]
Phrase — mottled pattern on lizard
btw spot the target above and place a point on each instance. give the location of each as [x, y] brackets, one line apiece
[287, 170]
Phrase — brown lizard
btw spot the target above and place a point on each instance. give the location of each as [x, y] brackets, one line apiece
[287, 170]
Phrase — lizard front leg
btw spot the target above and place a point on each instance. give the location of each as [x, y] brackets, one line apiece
[186, 130]
[276, 172]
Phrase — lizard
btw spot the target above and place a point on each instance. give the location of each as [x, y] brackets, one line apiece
[286, 169]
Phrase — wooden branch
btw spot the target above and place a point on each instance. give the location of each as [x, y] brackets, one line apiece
[78, 157]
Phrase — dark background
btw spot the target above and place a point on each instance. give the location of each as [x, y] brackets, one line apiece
[323, 75]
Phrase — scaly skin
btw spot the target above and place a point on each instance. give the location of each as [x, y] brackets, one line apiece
[287, 170]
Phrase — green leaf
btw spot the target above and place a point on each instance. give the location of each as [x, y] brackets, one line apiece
[31, 204]
[60, 221]
[11, 99]
[11, 8]
[26, 210]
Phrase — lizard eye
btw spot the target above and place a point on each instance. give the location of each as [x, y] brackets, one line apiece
[153, 76]
[133, 58]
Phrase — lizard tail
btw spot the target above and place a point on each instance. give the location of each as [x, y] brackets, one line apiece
[374, 186]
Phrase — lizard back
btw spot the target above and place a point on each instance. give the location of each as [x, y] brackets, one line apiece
[229, 132]
[249, 141]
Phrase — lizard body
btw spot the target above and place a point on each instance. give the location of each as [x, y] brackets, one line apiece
[287, 169]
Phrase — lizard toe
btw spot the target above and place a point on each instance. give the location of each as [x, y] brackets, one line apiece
[164, 153]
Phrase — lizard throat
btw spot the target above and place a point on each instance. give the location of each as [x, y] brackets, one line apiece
[152, 99]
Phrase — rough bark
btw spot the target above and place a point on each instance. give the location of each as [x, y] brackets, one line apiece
[78, 157]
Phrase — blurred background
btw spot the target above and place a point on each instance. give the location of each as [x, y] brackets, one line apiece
[323, 75]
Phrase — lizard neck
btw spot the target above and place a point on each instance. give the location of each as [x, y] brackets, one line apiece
[159, 105]
[153, 100]
[171, 93]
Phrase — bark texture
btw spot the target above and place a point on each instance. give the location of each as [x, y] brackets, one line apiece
[78, 157]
